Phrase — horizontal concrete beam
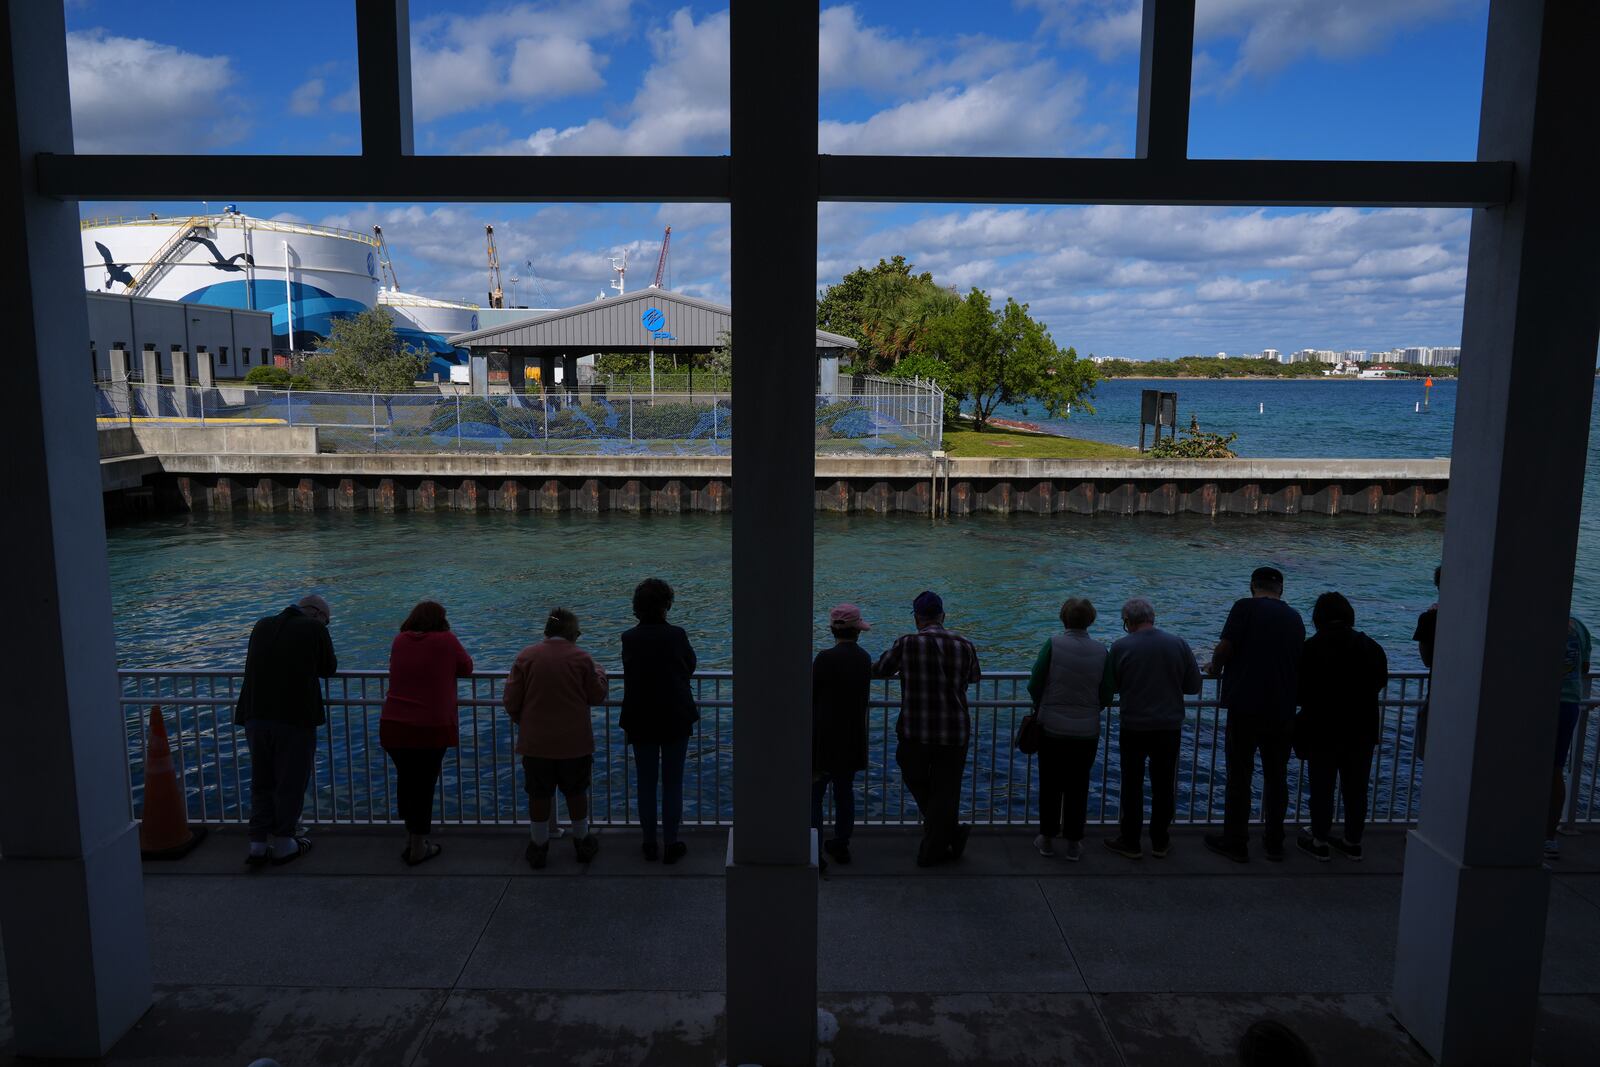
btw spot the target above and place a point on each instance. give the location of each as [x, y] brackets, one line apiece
[221, 441]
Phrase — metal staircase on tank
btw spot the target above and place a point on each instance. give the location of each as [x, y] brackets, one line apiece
[168, 255]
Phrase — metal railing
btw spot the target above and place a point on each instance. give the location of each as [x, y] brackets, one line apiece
[585, 422]
[482, 779]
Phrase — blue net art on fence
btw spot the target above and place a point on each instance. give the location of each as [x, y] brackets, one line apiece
[891, 418]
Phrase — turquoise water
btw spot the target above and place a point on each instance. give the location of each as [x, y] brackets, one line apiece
[186, 589]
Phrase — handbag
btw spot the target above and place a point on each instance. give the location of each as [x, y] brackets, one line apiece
[1029, 733]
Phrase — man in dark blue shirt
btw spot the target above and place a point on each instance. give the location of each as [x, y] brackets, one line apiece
[1259, 659]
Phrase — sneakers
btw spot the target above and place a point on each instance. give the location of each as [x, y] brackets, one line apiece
[1316, 848]
[959, 844]
[1273, 852]
[1074, 851]
[651, 853]
[1223, 847]
[1124, 848]
[1043, 844]
[1160, 851]
[839, 850]
[537, 855]
[1552, 849]
[1348, 850]
[585, 847]
[675, 852]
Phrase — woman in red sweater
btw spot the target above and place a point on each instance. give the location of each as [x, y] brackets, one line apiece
[419, 718]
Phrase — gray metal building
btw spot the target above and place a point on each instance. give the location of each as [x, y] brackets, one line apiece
[649, 320]
[234, 339]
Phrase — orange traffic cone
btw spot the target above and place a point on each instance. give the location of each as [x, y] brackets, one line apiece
[164, 832]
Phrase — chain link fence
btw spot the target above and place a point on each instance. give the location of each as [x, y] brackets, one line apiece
[896, 417]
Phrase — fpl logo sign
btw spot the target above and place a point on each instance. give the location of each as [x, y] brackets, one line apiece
[655, 321]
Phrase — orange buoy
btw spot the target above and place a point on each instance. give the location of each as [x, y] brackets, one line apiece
[164, 832]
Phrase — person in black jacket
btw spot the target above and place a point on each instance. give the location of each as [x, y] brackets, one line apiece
[280, 707]
[1426, 632]
[1342, 673]
[841, 684]
[658, 712]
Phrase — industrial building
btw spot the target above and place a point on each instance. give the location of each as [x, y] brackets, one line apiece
[233, 339]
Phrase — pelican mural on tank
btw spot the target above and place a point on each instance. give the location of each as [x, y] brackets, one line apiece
[221, 262]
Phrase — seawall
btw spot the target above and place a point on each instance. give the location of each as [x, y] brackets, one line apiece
[283, 471]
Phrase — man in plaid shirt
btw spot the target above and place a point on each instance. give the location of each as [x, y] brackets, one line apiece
[935, 667]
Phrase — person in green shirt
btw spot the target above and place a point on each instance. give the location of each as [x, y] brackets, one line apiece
[1574, 688]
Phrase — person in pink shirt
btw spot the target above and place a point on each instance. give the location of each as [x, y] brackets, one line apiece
[419, 719]
[549, 694]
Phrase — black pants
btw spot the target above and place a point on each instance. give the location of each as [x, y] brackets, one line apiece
[1352, 764]
[933, 774]
[281, 757]
[1160, 748]
[1247, 735]
[1064, 766]
[416, 772]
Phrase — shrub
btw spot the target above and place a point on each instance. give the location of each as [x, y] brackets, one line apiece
[271, 377]
[1197, 444]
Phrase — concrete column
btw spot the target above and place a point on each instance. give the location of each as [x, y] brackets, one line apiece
[150, 382]
[479, 369]
[206, 370]
[121, 398]
[547, 373]
[180, 384]
[771, 887]
[1472, 912]
[569, 374]
[71, 898]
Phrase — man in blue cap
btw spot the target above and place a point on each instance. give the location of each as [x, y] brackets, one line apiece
[935, 667]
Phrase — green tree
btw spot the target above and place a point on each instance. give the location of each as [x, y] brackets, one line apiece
[933, 369]
[365, 355]
[886, 309]
[999, 357]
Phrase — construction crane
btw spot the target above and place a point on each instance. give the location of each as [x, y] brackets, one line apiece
[661, 261]
[497, 296]
[383, 260]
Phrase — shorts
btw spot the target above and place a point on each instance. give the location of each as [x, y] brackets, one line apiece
[1568, 724]
[545, 776]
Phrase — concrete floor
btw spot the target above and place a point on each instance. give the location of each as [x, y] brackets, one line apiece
[1008, 958]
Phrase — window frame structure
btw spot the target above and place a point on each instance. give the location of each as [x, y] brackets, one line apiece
[773, 178]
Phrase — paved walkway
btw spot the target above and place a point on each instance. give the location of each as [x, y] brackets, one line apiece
[1006, 958]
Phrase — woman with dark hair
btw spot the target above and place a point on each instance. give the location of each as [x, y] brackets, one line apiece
[658, 712]
[419, 719]
[1342, 673]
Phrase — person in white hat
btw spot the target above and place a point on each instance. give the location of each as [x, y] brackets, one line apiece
[841, 683]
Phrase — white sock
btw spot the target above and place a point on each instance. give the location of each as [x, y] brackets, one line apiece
[580, 828]
[540, 831]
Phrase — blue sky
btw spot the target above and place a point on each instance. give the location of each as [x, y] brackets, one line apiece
[1273, 78]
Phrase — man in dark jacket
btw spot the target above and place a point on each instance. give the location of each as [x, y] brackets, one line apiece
[1258, 657]
[280, 707]
[841, 685]
[1342, 673]
[1424, 635]
[658, 712]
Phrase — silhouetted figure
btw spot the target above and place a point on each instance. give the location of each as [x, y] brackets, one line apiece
[841, 685]
[1574, 688]
[1258, 657]
[658, 712]
[1153, 670]
[1269, 1043]
[280, 707]
[935, 667]
[1342, 674]
[1068, 686]
[549, 694]
[420, 719]
[1427, 629]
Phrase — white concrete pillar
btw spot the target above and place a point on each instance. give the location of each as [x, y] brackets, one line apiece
[1472, 915]
[150, 381]
[118, 391]
[207, 371]
[772, 875]
[71, 899]
[180, 384]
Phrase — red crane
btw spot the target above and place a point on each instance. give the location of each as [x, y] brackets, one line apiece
[661, 261]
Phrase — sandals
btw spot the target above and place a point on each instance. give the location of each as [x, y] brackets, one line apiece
[302, 846]
[429, 851]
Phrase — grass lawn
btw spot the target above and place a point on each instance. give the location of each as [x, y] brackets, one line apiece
[1007, 444]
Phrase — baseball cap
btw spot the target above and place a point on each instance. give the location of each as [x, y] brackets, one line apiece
[928, 604]
[847, 615]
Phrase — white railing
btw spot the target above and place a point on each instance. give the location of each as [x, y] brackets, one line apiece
[481, 784]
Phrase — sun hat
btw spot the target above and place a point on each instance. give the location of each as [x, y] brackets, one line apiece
[848, 615]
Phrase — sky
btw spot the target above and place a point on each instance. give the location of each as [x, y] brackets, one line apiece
[1286, 79]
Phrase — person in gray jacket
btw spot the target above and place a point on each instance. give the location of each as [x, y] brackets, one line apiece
[1068, 687]
[1152, 669]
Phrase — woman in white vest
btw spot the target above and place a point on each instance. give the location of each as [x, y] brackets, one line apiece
[1069, 690]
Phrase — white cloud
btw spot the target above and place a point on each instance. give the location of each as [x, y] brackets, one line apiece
[520, 54]
[134, 95]
[306, 99]
[855, 56]
[681, 105]
[1272, 34]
